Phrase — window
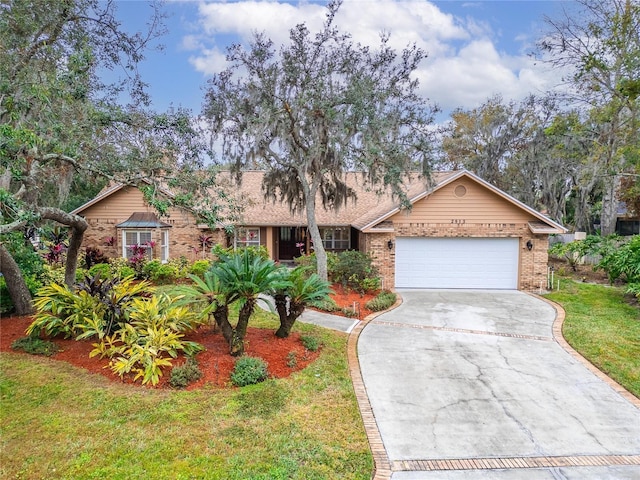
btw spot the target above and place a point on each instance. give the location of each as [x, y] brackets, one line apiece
[628, 227]
[133, 240]
[247, 237]
[338, 238]
[164, 246]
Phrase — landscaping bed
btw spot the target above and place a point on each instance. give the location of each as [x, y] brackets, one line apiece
[283, 355]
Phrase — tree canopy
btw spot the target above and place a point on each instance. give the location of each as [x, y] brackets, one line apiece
[60, 119]
[320, 106]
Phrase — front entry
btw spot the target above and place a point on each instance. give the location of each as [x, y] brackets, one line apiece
[292, 242]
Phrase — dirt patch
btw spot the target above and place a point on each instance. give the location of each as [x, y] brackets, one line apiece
[582, 273]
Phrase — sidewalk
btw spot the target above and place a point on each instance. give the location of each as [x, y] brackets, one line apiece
[322, 319]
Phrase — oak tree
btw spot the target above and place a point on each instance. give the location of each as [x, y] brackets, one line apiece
[319, 106]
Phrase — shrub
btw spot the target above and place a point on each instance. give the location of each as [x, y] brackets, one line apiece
[220, 252]
[120, 267]
[311, 343]
[381, 302]
[311, 263]
[154, 332]
[621, 259]
[199, 267]
[35, 346]
[248, 371]
[52, 274]
[292, 360]
[100, 269]
[150, 268]
[165, 274]
[23, 253]
[180, 266]
[355, 270]
[326, 305]
[96, 308]
[634, 289]
[349, 312]
[183, 375]
[61, 311]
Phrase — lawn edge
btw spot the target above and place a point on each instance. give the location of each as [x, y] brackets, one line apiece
[559, 338]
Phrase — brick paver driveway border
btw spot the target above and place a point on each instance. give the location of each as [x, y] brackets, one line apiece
[384, 468]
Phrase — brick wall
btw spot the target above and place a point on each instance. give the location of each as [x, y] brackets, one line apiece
[532, 266]
[183, 237]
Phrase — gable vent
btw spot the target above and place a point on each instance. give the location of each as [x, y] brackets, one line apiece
[460, 191]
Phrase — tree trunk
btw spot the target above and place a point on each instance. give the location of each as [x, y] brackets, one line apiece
[78, 226]
[221, 315]
[608, 214]
[18, 290]
[287, 322]
[314, 231]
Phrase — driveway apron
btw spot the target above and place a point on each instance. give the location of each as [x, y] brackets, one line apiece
[468, 384]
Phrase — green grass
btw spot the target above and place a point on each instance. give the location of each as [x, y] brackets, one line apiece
[58, 421]
[604, 328]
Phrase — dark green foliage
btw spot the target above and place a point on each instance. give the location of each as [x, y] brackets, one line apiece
[623, 261]
[355, 270]
[310, 343]
[293, 292]
[310, 262]
[35, 346]
[248, 371]
[183, 375]
[382, 301]
[243, 276]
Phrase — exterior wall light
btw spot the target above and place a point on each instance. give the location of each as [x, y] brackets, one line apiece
[390, 244]
[529, 245]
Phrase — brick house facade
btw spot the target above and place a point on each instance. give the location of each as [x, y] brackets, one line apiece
[456, 205]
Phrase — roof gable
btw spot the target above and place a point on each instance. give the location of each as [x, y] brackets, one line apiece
[510, 202]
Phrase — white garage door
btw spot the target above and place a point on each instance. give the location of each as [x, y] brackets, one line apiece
[457, 263]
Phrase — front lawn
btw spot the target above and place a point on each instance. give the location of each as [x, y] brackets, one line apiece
[58, 421]
[604, 328]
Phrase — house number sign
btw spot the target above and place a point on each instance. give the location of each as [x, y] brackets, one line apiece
[457, 220]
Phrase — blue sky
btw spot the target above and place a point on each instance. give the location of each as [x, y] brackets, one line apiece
[476, 48]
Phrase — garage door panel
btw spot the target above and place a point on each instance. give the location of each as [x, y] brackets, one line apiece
[457, 262]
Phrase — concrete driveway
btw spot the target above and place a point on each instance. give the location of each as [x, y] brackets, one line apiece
[471, 384]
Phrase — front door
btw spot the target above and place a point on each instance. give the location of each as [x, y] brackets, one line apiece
[291, 242]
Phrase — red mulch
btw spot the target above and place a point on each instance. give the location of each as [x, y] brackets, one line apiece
[349, 299]
[215, 362]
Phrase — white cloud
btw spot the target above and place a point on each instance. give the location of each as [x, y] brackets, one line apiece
[463, 68]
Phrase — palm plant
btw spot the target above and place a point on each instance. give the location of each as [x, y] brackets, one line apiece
[210, 293]
[244, 276]
[296, 291]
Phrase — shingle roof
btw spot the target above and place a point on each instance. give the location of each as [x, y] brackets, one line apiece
[369, 205]
[370, 210]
